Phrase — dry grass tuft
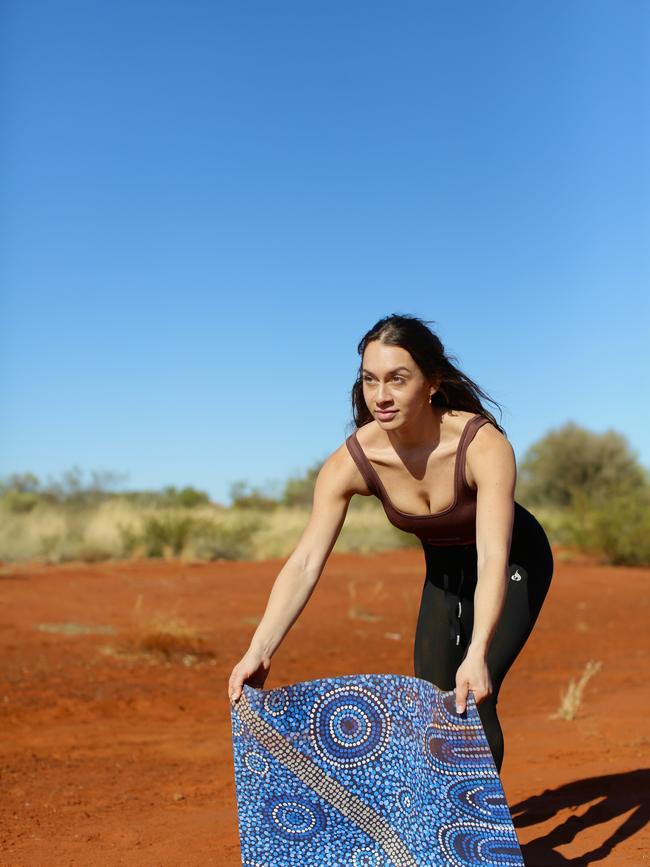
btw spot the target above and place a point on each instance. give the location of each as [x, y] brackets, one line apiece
[162, 637]
[171, 637]
[357, 613]
[572, 698]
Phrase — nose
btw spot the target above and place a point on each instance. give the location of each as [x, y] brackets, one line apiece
[382, 394]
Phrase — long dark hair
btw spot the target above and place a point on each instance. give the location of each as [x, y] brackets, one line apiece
[455, 390]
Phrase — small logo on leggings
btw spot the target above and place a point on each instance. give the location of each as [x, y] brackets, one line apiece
[519, 572]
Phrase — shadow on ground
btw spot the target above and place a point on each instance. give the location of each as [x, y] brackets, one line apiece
[615, 795]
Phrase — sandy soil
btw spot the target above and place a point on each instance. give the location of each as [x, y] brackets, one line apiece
[111, 759]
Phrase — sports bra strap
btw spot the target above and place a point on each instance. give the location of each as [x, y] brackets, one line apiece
[466, 437]
[360, 460]
[460, 479]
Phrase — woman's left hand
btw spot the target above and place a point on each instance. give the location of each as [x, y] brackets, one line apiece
[472, 674]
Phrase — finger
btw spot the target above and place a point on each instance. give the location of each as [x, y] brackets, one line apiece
[461, 698]
[235, 691]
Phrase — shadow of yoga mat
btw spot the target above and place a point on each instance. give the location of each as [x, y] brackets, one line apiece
[370, 770]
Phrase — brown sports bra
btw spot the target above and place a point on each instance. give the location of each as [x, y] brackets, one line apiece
[455, 525]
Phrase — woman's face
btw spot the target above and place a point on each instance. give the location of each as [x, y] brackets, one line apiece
[394, 387]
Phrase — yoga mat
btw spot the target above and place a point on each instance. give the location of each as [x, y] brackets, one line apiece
[370, 770]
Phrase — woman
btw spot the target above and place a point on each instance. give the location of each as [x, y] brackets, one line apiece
[444, 470]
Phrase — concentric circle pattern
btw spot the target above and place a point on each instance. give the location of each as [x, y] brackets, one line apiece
[455, 754]
[479, 844]
[369, 771]
[277, 701]
[295, 819]
[350, 725]
[480, 796]
[256, 763]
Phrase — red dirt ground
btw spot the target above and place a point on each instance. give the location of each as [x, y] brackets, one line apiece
[112, 760]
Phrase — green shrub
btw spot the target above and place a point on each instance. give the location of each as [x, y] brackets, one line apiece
[225, 541]
[20, 502]
[243, 496]
[619, 531]
[185, 498]
[200, 538]
[573, 459]
[166, 531]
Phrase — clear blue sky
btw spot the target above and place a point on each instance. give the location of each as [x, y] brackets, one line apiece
[205, 205]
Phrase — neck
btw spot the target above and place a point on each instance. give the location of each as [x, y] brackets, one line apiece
[422, 432]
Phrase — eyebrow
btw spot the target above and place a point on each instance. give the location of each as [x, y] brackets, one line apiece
[397, 369]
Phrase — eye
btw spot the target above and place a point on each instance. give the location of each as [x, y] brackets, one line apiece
[396, 378]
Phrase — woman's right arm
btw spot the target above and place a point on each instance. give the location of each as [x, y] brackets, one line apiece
[337, 480]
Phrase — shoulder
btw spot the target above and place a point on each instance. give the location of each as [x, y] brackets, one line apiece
[367, 434]
[489, 453]
[488, 442]
[373, 442]
[456, 422]
[490, 456]
[488, 433]
[340, 472]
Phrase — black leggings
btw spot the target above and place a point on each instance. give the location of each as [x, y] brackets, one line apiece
[442, 637]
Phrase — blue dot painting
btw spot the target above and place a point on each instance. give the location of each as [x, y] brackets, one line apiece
[372, 770]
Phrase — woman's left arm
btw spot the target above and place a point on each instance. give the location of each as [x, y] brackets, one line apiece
[492, 462]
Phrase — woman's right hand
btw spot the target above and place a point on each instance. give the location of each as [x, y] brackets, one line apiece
[253, 669]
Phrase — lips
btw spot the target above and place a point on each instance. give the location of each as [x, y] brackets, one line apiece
[388, 413]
